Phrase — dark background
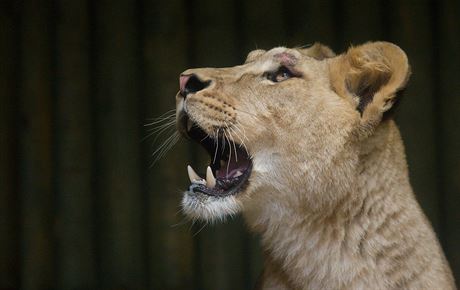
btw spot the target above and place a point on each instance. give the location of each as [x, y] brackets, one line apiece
[80, 207]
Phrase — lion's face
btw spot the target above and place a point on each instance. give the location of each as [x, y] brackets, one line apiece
[281, 128]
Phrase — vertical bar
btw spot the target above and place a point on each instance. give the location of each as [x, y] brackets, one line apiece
[276, 23]
[221, 267]
[308, 22]
[411, 30]
[118, 166]
[37, 248]
[164, 51]
[191, 40]
[322, 23]
[74, 199]
[448, 105]
[9, 217]
[362, 21]
[264, 24]
[250, 249]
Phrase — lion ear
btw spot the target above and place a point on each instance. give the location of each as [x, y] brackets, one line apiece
[370, 75]
[318, 51]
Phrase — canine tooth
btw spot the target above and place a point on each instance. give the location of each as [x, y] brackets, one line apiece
[210, 179]
[192, 174]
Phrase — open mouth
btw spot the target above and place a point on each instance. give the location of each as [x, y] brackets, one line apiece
[230, 164]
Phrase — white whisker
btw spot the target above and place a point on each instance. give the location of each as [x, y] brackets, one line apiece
[251, 114]
[230, 151]
[241, 130]
[159, 127]
[169, 112]
[165, 147]
[205, 137]
[205, 224]
[159, 131]
[217, 146]
[233, 141]
[160, 120]
[223, 145]
[233, 129]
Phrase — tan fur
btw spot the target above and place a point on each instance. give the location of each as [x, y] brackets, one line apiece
[329, 191]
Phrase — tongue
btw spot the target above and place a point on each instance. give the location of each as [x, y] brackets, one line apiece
[231, 174]
[233, 168]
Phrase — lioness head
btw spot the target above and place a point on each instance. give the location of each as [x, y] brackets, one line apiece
[286, 127]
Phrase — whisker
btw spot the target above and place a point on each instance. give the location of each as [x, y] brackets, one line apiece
[234, 145]
[241, 131]
[256, 97]
[233, 129]
[172, 143]
[159, 120]
[168, 147]
[165, 147]
[160, 126]
[169, 112]
[193, 221]
[230, 151]
[158, 131]
[181, 223]
[217, 147]
[155, 126]
[250, 114]
[157, 152]
[205, 224]
[223, 145]
[233, 141]
[164, 144]
[205, 137]
[242, 141]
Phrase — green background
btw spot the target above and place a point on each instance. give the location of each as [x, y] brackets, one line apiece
[80, 205]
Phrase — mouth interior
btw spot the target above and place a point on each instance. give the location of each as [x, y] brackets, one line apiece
[230, 164]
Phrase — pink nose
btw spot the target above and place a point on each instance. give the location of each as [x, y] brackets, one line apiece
[190, 84]
[183, 79]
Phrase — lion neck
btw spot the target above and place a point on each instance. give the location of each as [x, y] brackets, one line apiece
[304, 242]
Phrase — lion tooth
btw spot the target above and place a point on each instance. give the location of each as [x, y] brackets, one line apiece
[193, 176]
[210, 179]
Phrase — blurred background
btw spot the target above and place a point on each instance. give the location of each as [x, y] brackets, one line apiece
[81, 207]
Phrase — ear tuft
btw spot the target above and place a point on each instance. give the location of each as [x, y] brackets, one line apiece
[318, 51]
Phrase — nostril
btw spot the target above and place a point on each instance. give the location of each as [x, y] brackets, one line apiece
[190, 84]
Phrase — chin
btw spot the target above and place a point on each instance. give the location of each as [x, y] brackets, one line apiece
[198, 206]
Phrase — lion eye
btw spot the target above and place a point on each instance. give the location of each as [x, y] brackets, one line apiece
[280, 75]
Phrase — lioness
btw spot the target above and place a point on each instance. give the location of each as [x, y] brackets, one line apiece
[301, 141]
